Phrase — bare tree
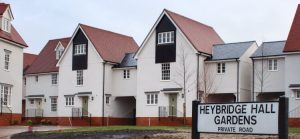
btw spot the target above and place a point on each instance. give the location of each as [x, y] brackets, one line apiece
[185, 74]
[207, 82]
[261, 73]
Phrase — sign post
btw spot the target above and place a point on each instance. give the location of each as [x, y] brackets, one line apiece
[254, 118]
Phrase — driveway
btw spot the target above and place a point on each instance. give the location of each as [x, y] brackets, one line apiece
[7, 131]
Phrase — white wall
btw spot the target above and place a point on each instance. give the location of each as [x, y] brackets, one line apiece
[14, 75]
[274, 81]
[149, 77]
[92, 82]
[121, 86]
[292, 65]
[44, 87]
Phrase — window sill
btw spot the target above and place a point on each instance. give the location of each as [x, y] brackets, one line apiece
[69, 106]
[220, 73]
[6, 70]
[151, 104]
[79, 54]
[165, 43]
[126, 78]
[165, 80]
[78, 85]
[54, 84]
[274, 71]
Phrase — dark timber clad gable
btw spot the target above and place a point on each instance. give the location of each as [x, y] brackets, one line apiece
[79, 62]
[165, 53]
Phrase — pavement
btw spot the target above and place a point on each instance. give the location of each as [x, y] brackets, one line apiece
[7, 131]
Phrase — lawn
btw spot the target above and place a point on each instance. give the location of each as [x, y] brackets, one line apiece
[294, 130]
[115, 128]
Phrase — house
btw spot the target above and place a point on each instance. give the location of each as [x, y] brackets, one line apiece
[97, 78]
[169, 61]
[42, 82]
[268, 71]
[227, 75]
[11, 65]
[28, 59]
[292, 66]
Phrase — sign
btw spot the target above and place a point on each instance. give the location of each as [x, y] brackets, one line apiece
[242, 118]
[268, 118]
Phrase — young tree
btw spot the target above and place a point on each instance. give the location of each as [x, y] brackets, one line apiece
[185, 74]
[207, 83]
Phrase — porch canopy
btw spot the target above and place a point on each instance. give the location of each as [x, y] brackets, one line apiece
[35, 96]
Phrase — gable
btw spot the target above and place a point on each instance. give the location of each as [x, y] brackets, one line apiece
[165, 53]
[79, 62]
[293, 41]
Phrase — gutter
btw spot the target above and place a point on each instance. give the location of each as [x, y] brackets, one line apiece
[253, 95]
[238, 81]
[103, 93]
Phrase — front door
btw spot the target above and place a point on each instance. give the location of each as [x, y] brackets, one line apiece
[39, 108]
[39, 104]
[85, 106]
[173, 105]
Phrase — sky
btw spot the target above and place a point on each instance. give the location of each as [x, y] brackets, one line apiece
[234, 20]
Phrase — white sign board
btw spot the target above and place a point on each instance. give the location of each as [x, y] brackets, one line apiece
[241, 118]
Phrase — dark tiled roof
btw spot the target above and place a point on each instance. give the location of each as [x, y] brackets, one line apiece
[110, 46]
[3, 7]
[230, 50]
[270, 49]
[46, 60]
[201, 36]
[128, 61]
[293, 41]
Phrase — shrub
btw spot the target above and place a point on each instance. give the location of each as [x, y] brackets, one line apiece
[14, 122]
[29, 122]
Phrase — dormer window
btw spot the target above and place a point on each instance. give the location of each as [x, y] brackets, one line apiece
[59, 54]
[80, 49]
[5, 24]
[165, 37]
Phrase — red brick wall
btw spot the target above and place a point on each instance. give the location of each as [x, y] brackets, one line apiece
[96, 121]
[6, 118]
[155, 121]
[38, 120]
[294, 122]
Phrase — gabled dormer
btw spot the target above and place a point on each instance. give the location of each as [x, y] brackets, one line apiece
[6, 17]
[59, 50]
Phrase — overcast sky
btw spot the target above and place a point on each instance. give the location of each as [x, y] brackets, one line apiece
[235, 20]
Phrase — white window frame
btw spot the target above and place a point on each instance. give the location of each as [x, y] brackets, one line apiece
[126, 74]
[5, 92]
[151, 98]
[53, 104]
[6, 24]
[69, 100]
[165, 72]
[54, 79]
[272, 64]
[166, 37]
[80, 49]
[59, 54]
[79, 77]
[297, 94]
[31, 101]
[221, 68]
[7, 59]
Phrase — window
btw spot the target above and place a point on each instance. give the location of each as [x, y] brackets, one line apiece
[126, 74]
[79, 77]
[165, 37]
[59, 54]
[165, 71]
[152, 98]
[5, 25]
[273, 65]
[25, 80]
[107, 99]
[297, 94]
[54, 79]
[31, 101]
[70, 101]
[36, 78]
[6, 59]
[80, 49]
[221, 68]
[53, 104]
[5, 95]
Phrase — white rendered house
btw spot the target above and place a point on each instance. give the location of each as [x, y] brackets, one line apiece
[268, 71]
[11, 66]
[96, 83]
[42, 82]
[168, 61]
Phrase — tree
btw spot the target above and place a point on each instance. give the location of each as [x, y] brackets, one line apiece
[207, 83]
[185, 74]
